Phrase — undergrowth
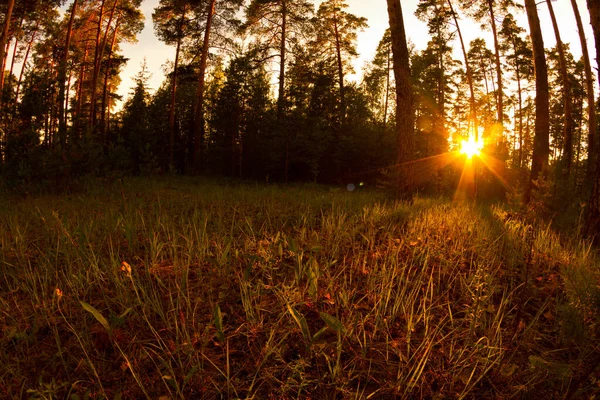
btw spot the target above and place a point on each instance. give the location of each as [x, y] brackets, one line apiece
[205, 289]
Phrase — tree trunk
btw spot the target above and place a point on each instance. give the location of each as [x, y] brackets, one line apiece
[97, 58]
[174, 92]
[340, 65]
[78, 123]
[404, 94]
[105, 91]
[62, 76]
[4, 41]
[593, 219]
[520, 95]
[387, 88]
[473, 115]
[282, 54]
[23, 68]
[541, 146]
[589, 83]
[281, 95]
[198, 129]
[568, 105]
[500, 96]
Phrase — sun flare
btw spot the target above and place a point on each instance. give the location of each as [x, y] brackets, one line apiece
[471, 147]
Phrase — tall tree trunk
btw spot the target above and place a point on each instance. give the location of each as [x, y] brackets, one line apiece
[566, 90]
[174, 92]
[593, 219]
[78, 123]
[473, 114]
[282, 56]
[198, 129]
[15, 49]
[404, 94]
[281, 95]
[97, 58]
[23, 68]
[62, 76]
[520, 95]
[500, 95]
[589, 83]
[541, 142]
[4, 40]
[387, 87]
[340, 65]
[105, 91]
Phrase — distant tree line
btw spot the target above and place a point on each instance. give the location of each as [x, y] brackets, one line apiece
[268, 97]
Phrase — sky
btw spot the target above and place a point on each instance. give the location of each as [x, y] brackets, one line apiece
[157, 54]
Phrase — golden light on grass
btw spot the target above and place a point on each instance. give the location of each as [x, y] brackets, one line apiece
[471, 147]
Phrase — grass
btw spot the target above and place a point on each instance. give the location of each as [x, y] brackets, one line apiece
[183, 288]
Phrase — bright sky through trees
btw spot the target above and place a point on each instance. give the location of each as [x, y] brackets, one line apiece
[157, 53]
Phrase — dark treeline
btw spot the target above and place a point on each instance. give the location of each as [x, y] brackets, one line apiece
[268, 96]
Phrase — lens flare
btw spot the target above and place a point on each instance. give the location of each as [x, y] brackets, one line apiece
[471, 147]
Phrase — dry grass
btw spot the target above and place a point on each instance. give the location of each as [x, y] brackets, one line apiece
[185, 289]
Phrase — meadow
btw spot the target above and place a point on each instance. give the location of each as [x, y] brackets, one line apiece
[206, 289]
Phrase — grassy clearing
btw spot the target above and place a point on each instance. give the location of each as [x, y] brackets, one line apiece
[186, 289]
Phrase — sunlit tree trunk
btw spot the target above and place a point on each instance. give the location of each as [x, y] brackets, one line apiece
[174, 91]
[500, 95]
[199, 129]
[541, 146]
[340, 65]
[62, 75]
[4, 40]
[105, 92]
[473, 115]
[593, 220]
[404, 94]
[566, 89]
[23, 68]
[79, 121]
[589, 83]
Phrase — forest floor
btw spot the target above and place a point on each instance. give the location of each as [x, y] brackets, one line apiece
[201, 289]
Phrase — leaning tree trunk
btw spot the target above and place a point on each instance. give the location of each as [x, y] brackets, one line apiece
[198, 129]
[566, 90]
[92, 116]
[589, 83]
[340, 65]
[472, 116]
[174, 91]
[62, 76]
[541, 142]
[593, 219]
[500, 96]
[4, 40]
[404, 95]
[281, 95]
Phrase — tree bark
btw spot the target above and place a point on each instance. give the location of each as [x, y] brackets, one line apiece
[340, 65]
[4, 41]
[96, 71]
[198, 129]
[174, 91]
[566, 90]
[500, 96]
[281, 95]
[541, 146]
[404, 94]
[62, 76]
[593, 218]
[473, 115]
[589, 83]
[105, 91]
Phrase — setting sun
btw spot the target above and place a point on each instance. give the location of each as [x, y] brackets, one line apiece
[471, 147]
